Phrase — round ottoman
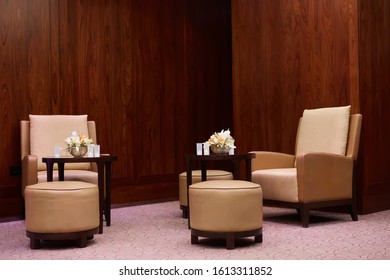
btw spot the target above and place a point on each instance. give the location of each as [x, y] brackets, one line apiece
[196, 178]
[226, 209]
[61, 210]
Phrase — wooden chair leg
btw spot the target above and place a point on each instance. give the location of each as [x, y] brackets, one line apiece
[194, 239]
[305, 216]
[185, 213]
[229, 241]
[259, 238]
[353, 211]
[82, 241]
[35, 243]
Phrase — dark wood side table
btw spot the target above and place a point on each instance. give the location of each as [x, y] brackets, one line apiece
[203, 159]
[235, 159]
[104, 178]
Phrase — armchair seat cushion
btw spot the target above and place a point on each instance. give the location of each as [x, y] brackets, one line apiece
[71, 175]
[277, 184]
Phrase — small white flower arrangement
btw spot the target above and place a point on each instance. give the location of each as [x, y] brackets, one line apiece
[221, 139]
[76, 140]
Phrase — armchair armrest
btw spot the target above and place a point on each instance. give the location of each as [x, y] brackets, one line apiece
[269, 160]
[324, 176]
[29, 171]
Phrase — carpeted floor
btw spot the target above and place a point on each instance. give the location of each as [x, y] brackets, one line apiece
[158, 232]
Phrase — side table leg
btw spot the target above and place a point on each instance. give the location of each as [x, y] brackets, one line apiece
[236, 169]
[249, 170]
[189, 182]
[107, 211]
[49, 171]
[101, 194]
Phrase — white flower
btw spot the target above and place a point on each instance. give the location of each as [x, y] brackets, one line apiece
[76, 140]
[222, 139]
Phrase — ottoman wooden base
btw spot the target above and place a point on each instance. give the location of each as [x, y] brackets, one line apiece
[81, 237]
[228, 236]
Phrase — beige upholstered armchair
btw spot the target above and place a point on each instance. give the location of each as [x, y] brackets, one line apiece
[320, 174]
[40, 134]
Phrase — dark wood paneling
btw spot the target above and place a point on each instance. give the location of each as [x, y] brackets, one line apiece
[206, 36]
[374, 53]
[155, 75]
[289, 56]
[11, 201]
[24, 75]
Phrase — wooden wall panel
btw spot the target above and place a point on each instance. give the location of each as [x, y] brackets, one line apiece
[374, 52]
[94, 38]
[156, 92]
[207, 22]
[24, 82]
[155, 75]
[289, 56]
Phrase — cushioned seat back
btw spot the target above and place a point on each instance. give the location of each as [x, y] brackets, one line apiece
[47, 131]
[324, 130]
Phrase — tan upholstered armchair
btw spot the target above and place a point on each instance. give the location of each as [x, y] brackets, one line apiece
[40, 134]
[320, 174]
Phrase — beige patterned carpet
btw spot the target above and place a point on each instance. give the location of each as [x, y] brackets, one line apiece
[158, 232]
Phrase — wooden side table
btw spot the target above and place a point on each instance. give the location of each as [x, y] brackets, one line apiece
[235, 159]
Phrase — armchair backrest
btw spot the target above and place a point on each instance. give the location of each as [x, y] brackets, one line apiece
[355, 125]
[40, 134]
[323, 130]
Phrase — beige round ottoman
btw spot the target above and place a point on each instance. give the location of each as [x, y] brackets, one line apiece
[226, 209]
[196, 178]
[61, 210]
